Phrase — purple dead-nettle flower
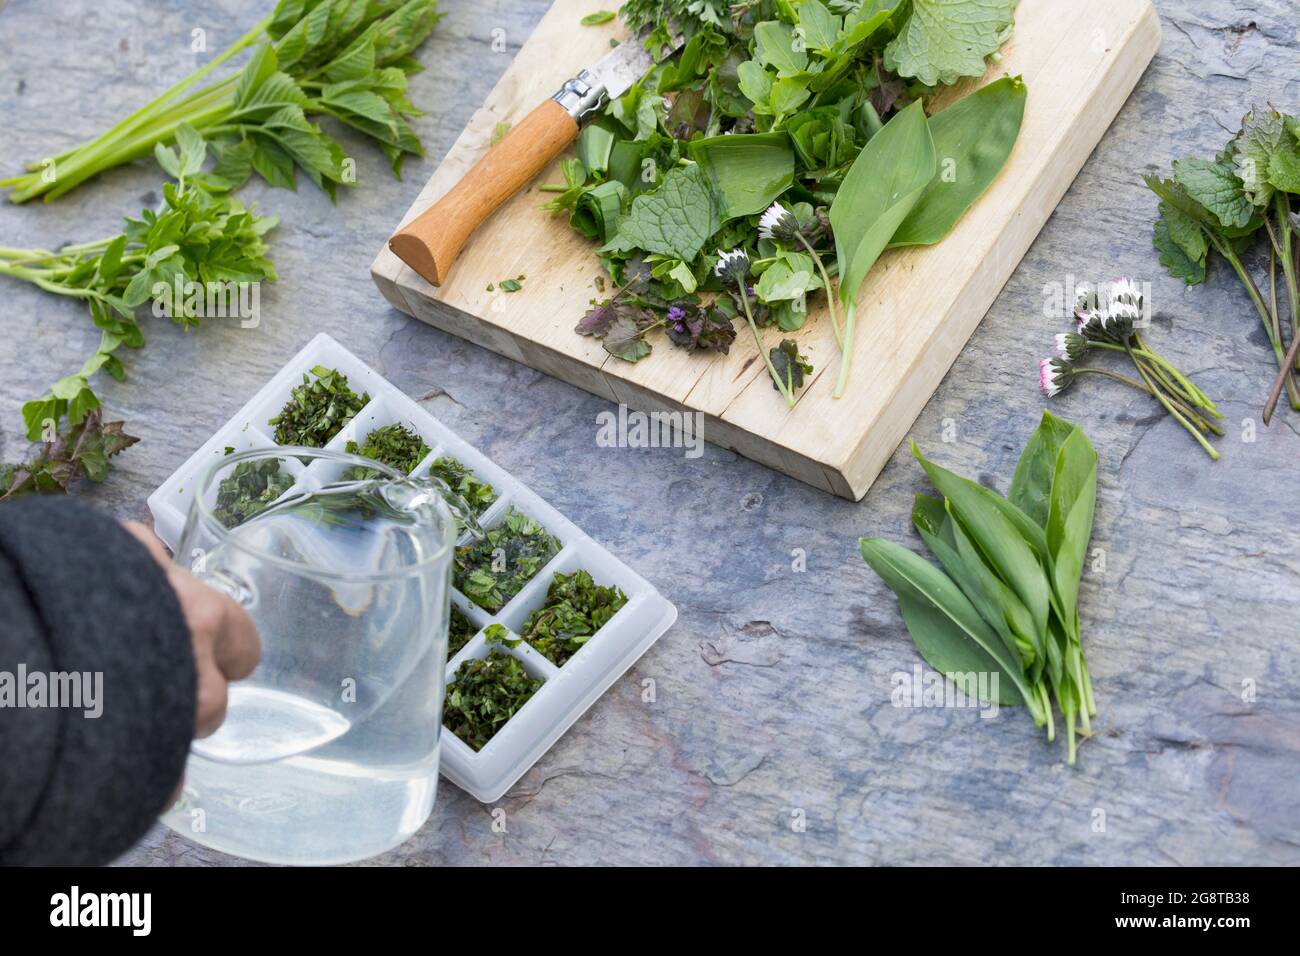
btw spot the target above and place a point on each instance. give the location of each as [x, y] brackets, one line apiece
[1071, 346]
[733, 266]
[676, 317]
[778, 224]
[1054, 374]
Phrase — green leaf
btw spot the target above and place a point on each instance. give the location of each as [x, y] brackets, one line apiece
[946, 628]
[167, 160]
[110, 263]
[1253, 148]
[944, 40]
[788, 94]
[1174, 255]
[746, 171]
[1031, 485]
[1009, 553]
[597, 18]
[879, 191]
[756, 83]
[676, 219]
[1216, 187]
[193, 149]
[819, 27]
[272, 163]
[973, 139]
[775, 47]
[1069, 521]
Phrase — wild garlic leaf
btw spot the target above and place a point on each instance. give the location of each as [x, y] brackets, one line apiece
[944, 40]
[676, 219]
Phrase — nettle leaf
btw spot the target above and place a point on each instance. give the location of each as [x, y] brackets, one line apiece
[1216, 187]
[676, 220]
[1262, 134]
[944, 40]
[1174, 253]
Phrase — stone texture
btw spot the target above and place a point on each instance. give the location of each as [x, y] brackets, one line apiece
[771, 694]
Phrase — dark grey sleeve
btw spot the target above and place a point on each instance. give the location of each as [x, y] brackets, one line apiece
[80, 596]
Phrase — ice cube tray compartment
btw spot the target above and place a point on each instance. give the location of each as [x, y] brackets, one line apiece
[567, 691]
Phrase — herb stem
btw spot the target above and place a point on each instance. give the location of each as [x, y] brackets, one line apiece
[767, 359]
[846, 348]
[826, 281]
[1160, 397]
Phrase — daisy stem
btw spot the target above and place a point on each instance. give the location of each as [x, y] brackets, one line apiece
[1189, 390]
[767, 359]
[1148, 390]
[1160, 397]
[826, 281]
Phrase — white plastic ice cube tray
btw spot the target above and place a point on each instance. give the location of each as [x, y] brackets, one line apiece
[567, 691]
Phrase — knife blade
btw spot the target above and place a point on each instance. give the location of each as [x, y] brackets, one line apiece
[430, 243]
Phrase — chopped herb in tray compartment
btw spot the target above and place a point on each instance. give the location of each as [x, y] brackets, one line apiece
[251, 488]
[486, 693]
[491, 571]
[318, 409]
[576, 608]
[459, 632]
[396, 446]
[478, 494]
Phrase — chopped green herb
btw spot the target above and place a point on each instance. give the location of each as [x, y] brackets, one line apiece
[318, 409]
[597, 18]
[396, 446]
[478, 494]
[492, 571]
[498, 133]
[249, 490]
[510, 285]
[576, 608]
[459, 631]
[484, 695]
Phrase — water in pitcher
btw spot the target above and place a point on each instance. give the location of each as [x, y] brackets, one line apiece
[329, 751]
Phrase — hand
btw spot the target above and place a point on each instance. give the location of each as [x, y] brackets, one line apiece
[226, 646]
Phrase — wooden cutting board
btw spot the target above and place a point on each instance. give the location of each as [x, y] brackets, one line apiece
[916, 309]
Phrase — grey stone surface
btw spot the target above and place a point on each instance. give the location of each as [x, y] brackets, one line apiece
[772, 691]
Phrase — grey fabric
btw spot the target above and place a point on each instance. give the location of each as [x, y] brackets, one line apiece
[78, 593]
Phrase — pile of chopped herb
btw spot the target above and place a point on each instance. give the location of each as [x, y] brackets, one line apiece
[492, 571]
[487, 692]
[784, 142]
[396, 446]
[478, 494]
[318, 409]
[249, 490]
[459, 632]
[576, 608]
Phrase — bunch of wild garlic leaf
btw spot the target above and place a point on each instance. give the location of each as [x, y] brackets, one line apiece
[1240, 201]
[1006, 600]
[197, 236]
[347, 59]
[790, 137]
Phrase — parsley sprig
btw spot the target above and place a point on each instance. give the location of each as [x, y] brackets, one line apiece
[197, 236]
[346, 59]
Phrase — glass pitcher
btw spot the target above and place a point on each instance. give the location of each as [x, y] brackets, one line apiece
[329, 749]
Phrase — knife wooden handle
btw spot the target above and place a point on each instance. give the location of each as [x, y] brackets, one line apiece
[430, 243]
